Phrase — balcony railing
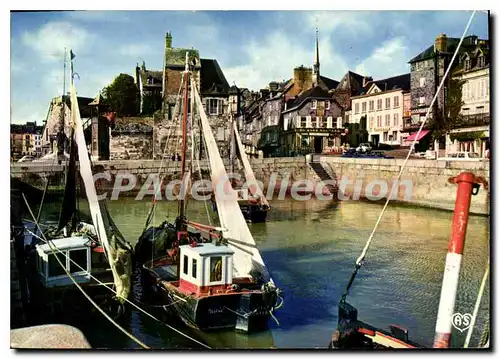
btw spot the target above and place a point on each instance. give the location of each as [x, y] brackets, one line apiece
[482, 119]
[316, 122]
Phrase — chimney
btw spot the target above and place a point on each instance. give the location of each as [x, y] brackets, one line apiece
[273, 86]
[441, 43]
[168, 40]
[143, 66]
[137, 70]
[367, 80]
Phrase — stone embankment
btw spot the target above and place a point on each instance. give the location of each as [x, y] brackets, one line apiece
[356, 178]
[51, 336]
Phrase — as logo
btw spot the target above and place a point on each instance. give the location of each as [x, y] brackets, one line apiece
[461, 321]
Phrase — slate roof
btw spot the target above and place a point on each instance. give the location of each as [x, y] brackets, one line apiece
[473, 55]
[397, 82]
[351, 80]
[316, 92]
[451, 45]
[330, 83]
[213, 81]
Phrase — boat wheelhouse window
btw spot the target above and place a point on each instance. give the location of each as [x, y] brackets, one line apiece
[193, 268]
[215, 269]
[79, 257]
[186, 264]
[55, 268]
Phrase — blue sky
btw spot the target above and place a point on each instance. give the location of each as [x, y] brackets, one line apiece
[252, 47]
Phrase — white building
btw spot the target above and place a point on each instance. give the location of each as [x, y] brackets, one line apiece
[472, 133]
[382, 107]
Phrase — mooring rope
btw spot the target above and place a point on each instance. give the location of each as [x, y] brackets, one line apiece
[127, 300]
[83, 291]
[476, 306]
[361, 258]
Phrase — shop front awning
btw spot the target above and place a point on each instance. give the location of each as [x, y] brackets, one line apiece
[413, 136]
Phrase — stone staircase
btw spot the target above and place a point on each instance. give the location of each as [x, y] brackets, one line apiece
[323, 175]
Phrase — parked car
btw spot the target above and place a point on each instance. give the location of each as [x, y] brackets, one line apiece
[462, 156]
[430, 155]
[364, 147]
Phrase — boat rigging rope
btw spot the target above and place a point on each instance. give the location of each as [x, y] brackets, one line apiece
[112, 290]
[361, 258]
[195, 145]
[174, 126]
[476, 307]
[83, 292]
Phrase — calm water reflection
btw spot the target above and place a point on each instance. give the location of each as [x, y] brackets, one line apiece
[310, 248]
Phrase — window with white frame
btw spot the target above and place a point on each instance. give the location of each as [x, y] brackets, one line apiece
[214, 106]
[422, 81]
[314, 104]
[327, 105]
[371, 121]
[276, 120]
[396, 119]
[396, 101]
[388, 102]
[371, 105]
[379, 104]
[421, 100]
[356, 108]
[379, 121]
[363, 107]
[387, 120]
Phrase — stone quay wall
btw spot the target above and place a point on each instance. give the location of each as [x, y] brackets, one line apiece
[428, 178]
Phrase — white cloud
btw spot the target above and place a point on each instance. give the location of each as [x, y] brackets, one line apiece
[390, 59]
[107, 16]
[135, 50]
[50, 40]
[328, 21]
[275, 57]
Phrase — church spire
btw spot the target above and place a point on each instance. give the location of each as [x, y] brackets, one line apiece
[316, 57]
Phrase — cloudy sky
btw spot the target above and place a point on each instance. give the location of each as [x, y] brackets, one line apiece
[252, 47]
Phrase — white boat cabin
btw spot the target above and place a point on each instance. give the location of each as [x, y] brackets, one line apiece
[205, 267]
[52, 274]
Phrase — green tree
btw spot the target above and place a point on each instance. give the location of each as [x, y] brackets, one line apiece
[442, 124]
[151, 102]
[122, 95]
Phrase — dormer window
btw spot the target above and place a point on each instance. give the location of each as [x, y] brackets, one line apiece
[150, 80]
[327, 105]
[467, 65]
[481, 61]
[314, 104]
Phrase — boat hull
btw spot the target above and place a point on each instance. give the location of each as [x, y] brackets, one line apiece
[247, 312]
[254, 213]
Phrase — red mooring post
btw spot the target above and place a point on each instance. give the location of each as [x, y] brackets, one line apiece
[468, 184]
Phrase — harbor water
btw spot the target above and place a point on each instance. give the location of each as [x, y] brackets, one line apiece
[310, 248]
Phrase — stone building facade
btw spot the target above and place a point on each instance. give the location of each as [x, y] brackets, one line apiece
[472, 132]
[311, 123]
[427, 71]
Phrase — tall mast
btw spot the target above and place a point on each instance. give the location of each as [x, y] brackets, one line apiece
[184, 131]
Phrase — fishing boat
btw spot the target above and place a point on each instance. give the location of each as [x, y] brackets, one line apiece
[212, 278]
[92, 253]
[253, 203]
